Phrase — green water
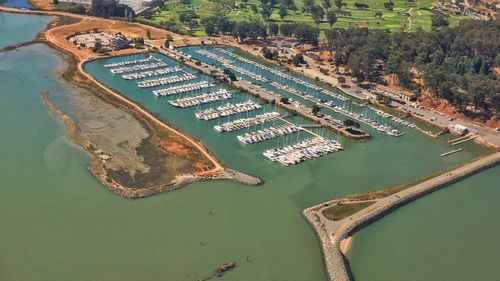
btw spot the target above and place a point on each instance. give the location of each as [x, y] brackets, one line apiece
[451, 234]
[17, 28]
[59, 224]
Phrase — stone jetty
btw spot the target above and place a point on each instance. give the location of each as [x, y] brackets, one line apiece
[332, 233]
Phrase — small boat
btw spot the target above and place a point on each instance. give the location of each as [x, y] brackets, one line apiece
[225, 268]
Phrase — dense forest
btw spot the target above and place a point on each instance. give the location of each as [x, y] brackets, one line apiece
[457, 64]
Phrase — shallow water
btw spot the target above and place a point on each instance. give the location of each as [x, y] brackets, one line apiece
[18, 28]
[23, 4]
[451, 234]
[59, 224]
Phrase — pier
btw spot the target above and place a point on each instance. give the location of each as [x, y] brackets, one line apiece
[332, 124]
[183, 89]
[165, 80]
[205, 98]
[247, 122]
[137, 67]
[332, 233]
[307, 149]
[151, 73]
[268, 133]
[450, 152]
[227, 110]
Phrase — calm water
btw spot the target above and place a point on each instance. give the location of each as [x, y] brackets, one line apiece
[17, 28]
[451, 234]
[16, 4]
[59, 224]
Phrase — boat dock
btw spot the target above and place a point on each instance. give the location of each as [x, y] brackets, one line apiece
[304, 150]
[450, 152]
[227, 110]
[138, 67]
[183, 88]
[125, 63]
[472, 137]
[165, 80]
[268, 133]
[204, 98]
[151, 73]
[247, 122]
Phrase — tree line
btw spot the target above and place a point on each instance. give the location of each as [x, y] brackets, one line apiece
[457, 64]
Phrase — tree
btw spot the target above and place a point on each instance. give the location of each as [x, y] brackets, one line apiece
[283, 12]
[308, 4]
[389, 5]
[107, 8]
[351, 123]
[327, 4]
[284, 100]
[267, 11]
[317, 14]
[251, 30]
[55, 2]
[341, 80]
[273, 29]
[254, 8]
[230, 74]
[439, 22]
[378, 14]
[331, 18]
[209, 29]
[148, 33]
[298, 59]
[167, 44]
[315, 109]
[339, 4]
[287, 29]
[78, 9]
[307, 34]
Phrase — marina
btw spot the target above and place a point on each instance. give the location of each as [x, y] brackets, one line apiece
[283, 75]
[227, 110]
[126, 69]
[268, 133]
[307, 149]
[247, 122]
[46, 180]
[129, 62]
[183, 88]
[312, 93]
[229, 64]
[204, 98]
[165, 80]
[151, 73]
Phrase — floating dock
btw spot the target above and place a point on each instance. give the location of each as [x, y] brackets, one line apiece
[450, 152]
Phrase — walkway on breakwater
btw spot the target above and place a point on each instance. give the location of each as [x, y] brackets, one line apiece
[331, 234]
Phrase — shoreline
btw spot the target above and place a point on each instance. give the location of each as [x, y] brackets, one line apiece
[335, 237]
[76, 75]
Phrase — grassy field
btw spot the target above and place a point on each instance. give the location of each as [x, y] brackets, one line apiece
[339, 212]
[406, 16]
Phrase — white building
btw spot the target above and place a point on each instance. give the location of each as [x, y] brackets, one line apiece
[460, 129]
[136, 5]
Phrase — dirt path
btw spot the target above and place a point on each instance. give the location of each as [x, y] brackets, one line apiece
[409, 20]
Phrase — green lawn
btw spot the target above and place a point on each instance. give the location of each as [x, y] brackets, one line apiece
[339, 212]
[396, 20]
